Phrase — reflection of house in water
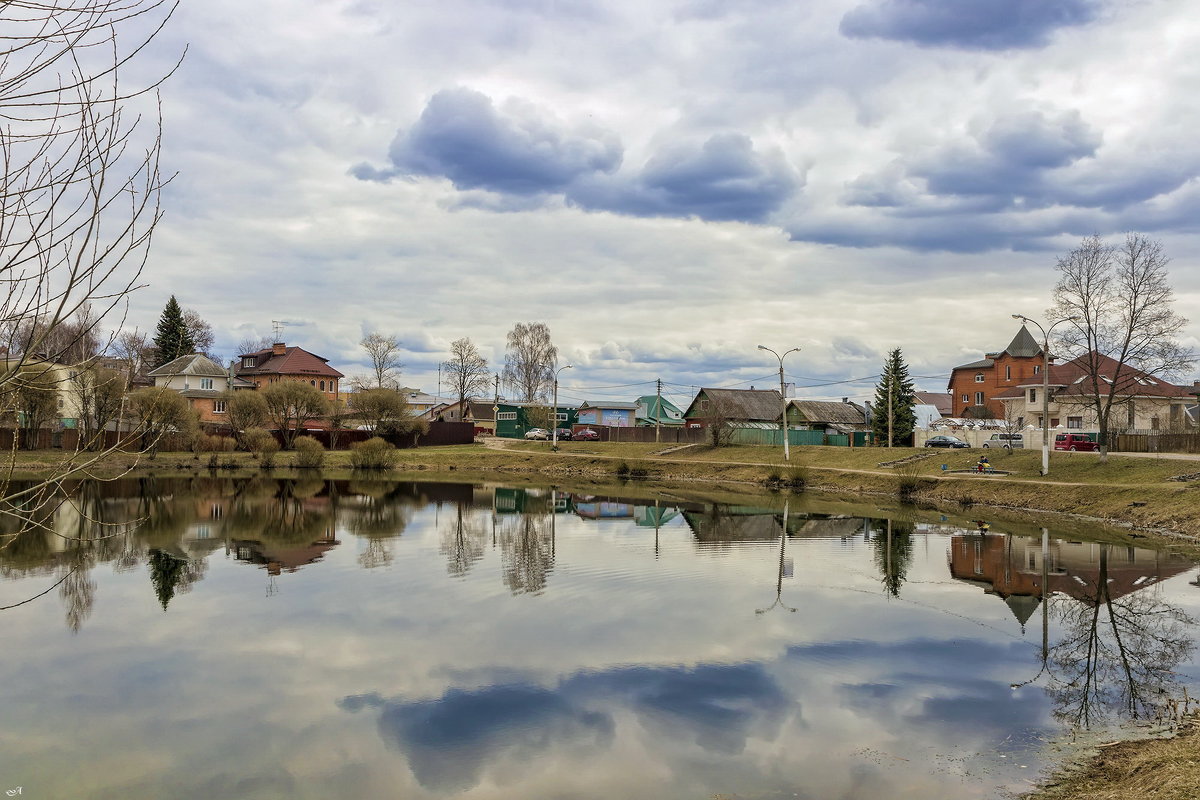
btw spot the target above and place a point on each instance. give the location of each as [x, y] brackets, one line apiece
[603, 509]
[278, 558]
[1011, 567]
[653, 516]
[748, 524]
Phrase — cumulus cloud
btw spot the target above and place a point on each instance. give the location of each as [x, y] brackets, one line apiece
[519, 156]
[519, 149]
[967, 24]
[722, 178]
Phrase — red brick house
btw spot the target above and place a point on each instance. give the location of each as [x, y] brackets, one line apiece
[974, 387]
[283, 363]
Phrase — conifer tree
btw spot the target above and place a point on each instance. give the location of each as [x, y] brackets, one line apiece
[894, 382]
[172, 338]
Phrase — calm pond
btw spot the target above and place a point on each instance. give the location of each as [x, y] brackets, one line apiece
[219, 638]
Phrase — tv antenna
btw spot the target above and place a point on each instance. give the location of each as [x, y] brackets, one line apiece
[278, 325]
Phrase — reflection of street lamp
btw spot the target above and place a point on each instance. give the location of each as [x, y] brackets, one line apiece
[782, 393]
[779, 582]
[554, 411]
[1045, 384]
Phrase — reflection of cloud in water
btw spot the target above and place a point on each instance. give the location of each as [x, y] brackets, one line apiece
[451, 740]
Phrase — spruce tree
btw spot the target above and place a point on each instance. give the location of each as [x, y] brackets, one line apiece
[894, 382]
[172, 339]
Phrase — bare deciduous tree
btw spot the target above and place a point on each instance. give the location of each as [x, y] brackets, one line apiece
[467, 371]
[253, 344]
[133, 348]
[1118, 304]
[530, 360]
[291, 404]
[79, 198]
[99, 395]
[384, 353]
[200, 331]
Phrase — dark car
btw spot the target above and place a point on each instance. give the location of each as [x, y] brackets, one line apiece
[586, 435]
[564, 434]
[945, 441]
[1075, 442]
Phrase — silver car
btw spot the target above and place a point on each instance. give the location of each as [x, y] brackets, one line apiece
[1008, 441]
[537, 433]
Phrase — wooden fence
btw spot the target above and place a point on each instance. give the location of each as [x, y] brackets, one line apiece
[1154, 442]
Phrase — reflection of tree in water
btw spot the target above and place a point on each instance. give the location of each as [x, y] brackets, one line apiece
[527, 552]
[280, 511]
[378, 513]
[463, 541]
[1117, 654]
[893, 545]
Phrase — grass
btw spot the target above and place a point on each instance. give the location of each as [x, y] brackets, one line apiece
[1163, 769]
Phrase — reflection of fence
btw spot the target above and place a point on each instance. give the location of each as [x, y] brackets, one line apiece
[1154, 442]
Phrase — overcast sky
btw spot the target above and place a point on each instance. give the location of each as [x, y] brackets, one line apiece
[667, 184]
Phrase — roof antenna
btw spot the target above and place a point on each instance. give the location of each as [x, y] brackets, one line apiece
[277, 325]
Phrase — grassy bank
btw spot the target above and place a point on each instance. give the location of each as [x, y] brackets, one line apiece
[1145, 495]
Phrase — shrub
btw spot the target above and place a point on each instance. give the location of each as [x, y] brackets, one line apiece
[908, 480]
[262, 445]
[214, 444]
[622, 470]
[798, 477]
[310, 454]
[374, 453]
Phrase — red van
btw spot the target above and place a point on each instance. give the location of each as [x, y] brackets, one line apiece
[1074, 441]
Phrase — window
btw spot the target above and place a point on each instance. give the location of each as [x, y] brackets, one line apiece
[248, 362]
[1075, 423]
[966, 399]
[1054, 422]
[313, 384]
[1154, 423]
[978, 401]
[206, 383]
[1033, 395]
[1037, 369]
[560, 416]
[322, 386]
[218, 406]
[978, 379]
[1008, 372]
[1020, 422]
[510, 416]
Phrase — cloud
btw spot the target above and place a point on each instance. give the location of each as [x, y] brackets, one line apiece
[520, 150]
[967, 24]
[517, 158]
[722, 178]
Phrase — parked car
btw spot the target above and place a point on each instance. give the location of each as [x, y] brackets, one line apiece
[1006, 440]
[586, 435]
[945, 441]
[537, 433]
[564, 434]
[1075, 441]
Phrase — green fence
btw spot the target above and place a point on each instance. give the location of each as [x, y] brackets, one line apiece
[795, 438]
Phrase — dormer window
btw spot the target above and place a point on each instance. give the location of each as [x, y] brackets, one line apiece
[247, 362]
[206, 383]
[978, 378]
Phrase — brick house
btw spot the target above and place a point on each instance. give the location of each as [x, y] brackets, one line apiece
[283, 363]
[201, 380]
[974, 387]
[1140, 401]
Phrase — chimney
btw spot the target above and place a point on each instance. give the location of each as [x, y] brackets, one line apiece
[845, 399]
[278, 349]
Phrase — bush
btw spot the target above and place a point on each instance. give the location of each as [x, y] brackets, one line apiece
[798, 477]
[374, 453]
[310, 454]
[262, 445]
[214, 444]
[622, 470]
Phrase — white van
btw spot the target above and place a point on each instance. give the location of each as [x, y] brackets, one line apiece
[1006, 440]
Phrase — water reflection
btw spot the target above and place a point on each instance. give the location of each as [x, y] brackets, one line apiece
[550, 638]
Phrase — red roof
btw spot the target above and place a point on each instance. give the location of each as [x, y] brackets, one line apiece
[293, 361]
[1073, 378]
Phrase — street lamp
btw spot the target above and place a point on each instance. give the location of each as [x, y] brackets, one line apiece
[1045, 384]
[782, 393]
[554, 411]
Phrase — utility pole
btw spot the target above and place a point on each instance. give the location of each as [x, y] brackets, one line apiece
[496, 410]
[658, 413]
[554, 411]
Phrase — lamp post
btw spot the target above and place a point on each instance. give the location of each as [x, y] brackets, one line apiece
[554, 411]
[1045, 384]
[783, 394]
